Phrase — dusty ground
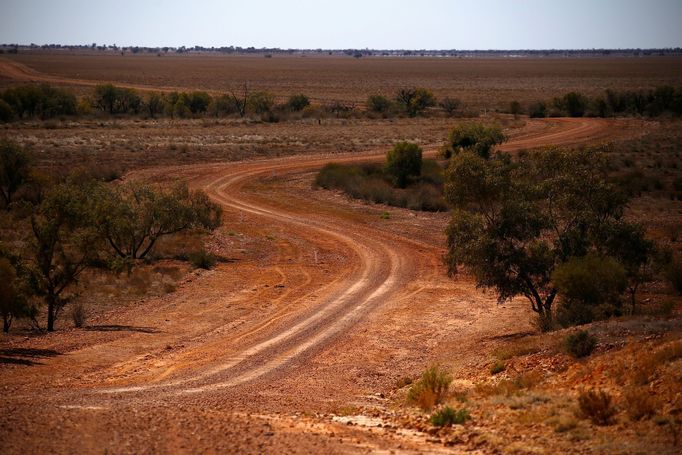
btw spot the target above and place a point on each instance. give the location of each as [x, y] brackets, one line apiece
[295, 347]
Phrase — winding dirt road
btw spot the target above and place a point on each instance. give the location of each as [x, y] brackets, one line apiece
[334, 298]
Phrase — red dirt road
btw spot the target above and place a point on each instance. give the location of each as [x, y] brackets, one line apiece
[335, 307]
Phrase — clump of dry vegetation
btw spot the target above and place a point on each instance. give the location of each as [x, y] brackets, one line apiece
[596, 405]
[430, 389]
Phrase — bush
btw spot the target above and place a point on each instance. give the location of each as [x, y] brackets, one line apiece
[42, 101]
[515, 108]
[415, 100]
[591, 287]
[378, 104]
[78, 314]
[597, 406]
[260, 102]
[475, 137]
[450, 105]
[537, 110]
[580, 344]
[498, 367]
[574, 104]
[298, 102]
[639, 404]
[6, 111]
[202, 259]
[430, 389]
[404, 161]
[117, 100]
[447, 417]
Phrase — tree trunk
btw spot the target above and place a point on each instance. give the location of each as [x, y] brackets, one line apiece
[6, 322]
[50, 313]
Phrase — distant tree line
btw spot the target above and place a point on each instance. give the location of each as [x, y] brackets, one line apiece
[457, 53]
[44, 101]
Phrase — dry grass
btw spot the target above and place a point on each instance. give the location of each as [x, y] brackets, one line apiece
[596, 405]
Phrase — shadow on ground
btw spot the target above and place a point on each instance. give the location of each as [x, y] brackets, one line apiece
[25, 356]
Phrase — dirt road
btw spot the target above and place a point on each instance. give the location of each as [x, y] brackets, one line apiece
[255, 356]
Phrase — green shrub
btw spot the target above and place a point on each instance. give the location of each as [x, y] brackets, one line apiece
[475, 137]
[298, 102]
[537, 110]
[580, 344]
[430, 389]
[597, 406]
[403, 162]
[378, 104]
[202, 259]
[414, 100]
[260, 102]
[498, 367]
[590, 287]
[447, 417]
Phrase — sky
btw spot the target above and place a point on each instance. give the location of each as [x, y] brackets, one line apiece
[344, 24]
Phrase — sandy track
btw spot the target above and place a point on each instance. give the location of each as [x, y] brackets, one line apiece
[382, 265]
[222, 362]
[22, 73]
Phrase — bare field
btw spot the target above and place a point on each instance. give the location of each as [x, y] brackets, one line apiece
[479, 83]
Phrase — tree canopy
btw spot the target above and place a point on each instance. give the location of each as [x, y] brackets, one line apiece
[516, 220]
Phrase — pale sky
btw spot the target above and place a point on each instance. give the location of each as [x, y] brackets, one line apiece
[379, 24]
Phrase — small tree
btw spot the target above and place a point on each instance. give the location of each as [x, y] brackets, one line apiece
[415, 100]
[298, 102]
[514, 222]
[378, 104]
[154, 104]
[15, 169]
[64, 243]
[13, 298]
[404, 161]
[240, 101]
[261, 102]
[450, 105]
[198, 102]
[473, 137]
[515, 108]
[131, 218]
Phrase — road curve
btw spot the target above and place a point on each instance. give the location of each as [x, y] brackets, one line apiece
[384, 264]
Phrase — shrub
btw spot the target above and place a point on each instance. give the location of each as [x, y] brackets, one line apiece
[415, 100]
[6, 111]
[298, 102]
[116, 100]
[639, 404]
[202, 259]
[450, 105]
[378, 103]
[404, 161]
[515, 108]
[15, 169]
[447, 417]
[430, 389]
[580, 344]
[597, 406]
[78, 314]
[260, 102]
[475, 137]
[574, 104]
[42, 101]
[590, 286]
[537, 110]
[498, 367]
